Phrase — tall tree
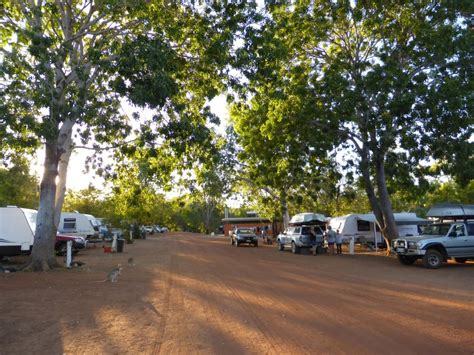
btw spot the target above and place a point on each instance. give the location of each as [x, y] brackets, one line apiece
[391, 80]
[65, 65]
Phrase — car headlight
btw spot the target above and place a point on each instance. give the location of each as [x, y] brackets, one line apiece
[411, 245]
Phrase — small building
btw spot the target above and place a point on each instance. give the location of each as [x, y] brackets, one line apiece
[230, 223]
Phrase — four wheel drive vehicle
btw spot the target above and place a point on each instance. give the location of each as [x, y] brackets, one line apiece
[244, 235]
[298, 237]
[437, 244]
[60, 246]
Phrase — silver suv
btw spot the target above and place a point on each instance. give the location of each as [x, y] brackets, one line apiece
[437, 244]
[298, 237]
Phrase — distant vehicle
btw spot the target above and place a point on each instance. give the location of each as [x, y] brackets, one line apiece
[17, 230]
[148, 229]
[160, 229]
[116, 232]
[300, 237]
[244, 235]
[440, 241]
[75, 223]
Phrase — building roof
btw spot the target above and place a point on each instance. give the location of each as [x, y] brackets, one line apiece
[246, 220]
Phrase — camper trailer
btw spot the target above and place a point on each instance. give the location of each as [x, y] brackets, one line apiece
[364, 226]
[75, 223]
[16, 230]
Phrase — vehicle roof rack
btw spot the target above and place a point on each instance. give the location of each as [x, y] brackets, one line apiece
[452, 211]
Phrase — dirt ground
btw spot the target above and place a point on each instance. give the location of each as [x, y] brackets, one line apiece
[195, 294]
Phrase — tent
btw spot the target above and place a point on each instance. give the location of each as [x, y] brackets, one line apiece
[308, 218]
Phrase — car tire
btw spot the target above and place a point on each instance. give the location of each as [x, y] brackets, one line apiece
[280, 246]
[294, 248]
[460, 260]
[432, 259]
[62, 249]
[406, 260]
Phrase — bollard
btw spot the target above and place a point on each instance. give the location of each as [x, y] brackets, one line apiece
[114, 244]
[69, 254]
[351, 246]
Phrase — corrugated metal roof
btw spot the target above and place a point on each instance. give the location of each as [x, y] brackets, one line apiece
[246, 220]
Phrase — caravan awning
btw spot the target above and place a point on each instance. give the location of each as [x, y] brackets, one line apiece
[400, 218]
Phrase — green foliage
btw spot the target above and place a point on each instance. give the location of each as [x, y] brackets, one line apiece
[391, 81]
[18, 187]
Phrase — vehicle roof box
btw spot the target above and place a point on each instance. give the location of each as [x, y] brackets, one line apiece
[451, 211]
[308, 218]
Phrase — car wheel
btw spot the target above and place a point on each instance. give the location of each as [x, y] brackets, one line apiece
[62, 249]
[432, 259]
[280, 246]
[406, 260]
[460, 260]
[294, 248]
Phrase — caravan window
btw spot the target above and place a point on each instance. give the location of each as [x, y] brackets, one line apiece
[69, 223]
[363, 226]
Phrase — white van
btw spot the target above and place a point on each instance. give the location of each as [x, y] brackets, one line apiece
[17, 227]
[75, 223]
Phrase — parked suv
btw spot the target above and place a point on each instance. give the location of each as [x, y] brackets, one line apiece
[438, 243]
[298, 237]
[243, 235]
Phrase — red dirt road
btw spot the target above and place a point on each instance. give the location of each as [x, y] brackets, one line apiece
[190, 293]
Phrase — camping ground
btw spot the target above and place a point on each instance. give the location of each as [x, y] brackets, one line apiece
[190, 293]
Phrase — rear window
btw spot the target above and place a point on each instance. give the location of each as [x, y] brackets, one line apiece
[245, 231]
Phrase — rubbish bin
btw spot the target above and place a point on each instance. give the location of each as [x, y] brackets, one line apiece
[120, 243]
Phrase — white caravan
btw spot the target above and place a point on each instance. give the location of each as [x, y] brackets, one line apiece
[365, 225]
[75, 223]
[17, 227]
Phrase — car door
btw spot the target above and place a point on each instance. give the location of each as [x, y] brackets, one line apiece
[457, 241]
[465, 240]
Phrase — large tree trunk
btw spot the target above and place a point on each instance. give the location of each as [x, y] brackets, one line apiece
[62, 176]
[369, 187]
[390, 230]
[284, 210]
[43, 255]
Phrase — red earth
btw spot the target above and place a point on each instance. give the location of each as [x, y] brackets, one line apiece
[191, 293]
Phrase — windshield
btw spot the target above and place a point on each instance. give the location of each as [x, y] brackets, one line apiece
[437, 229]
[245, 231]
